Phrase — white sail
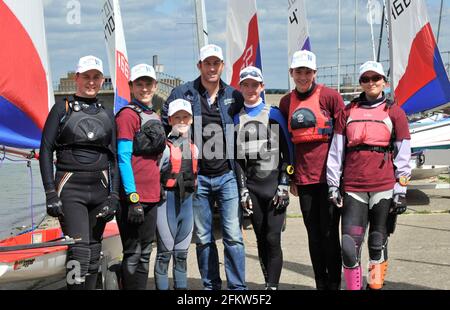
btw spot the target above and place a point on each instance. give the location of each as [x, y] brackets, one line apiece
[298, 35]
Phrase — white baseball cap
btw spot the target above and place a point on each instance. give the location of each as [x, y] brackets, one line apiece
[142, 70]
[251, 72]
[178, 105]
[304, 58]
[90, 62]
[209, 51]
[371, 66]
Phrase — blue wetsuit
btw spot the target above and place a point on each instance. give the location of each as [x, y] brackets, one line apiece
[175, 224]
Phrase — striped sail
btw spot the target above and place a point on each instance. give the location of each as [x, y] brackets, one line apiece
[418, 75]
[242, 39]
[26, 93]
[117, 52]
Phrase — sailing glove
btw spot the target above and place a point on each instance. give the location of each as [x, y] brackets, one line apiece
[281, 199]
[54, 204]
[110, 208]
[335, 197]
[246, 201]
[399, 204]
[135, 213]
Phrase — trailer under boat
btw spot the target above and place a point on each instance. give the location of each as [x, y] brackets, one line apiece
[42, 254]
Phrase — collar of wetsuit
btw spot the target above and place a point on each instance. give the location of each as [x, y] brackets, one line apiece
[303, 96]
[85, 100]
[363, 100]
[142, 106]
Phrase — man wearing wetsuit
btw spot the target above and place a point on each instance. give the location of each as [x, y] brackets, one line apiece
[84, 192]
[141, 139]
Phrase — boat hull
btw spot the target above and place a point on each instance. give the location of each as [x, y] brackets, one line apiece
[46, 262]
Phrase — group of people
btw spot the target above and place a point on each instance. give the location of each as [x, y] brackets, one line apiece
[218, 149]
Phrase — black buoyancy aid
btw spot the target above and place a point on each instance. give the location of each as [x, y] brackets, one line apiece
[181, 172]
[307, 123]
[150, 140]
[85, 125]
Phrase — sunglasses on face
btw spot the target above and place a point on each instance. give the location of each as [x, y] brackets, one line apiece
[251, 73]
[367, 79]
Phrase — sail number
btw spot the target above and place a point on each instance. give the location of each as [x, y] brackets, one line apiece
[399, 6]
[122, 64]
[108, 19]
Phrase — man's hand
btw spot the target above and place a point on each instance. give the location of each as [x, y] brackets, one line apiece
[246, 201]
[335, 197]
[54, 204]
[281, 198]
[399, 204]
[110, 208]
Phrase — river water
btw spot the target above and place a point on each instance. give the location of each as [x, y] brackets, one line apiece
[15, 196]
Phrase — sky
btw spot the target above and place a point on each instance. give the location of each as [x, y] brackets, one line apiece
[166, 28]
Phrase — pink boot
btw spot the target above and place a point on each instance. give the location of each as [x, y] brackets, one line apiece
[353, 278]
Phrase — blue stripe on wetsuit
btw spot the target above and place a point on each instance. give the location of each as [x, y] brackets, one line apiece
[275, 114]
[124, 155]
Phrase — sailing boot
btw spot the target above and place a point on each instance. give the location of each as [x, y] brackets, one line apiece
[271, 287]
[353, 278]
[377, 272]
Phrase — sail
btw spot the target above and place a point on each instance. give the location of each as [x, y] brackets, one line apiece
[242, 39]
[418, 74]
[298, 35]
[26, 93]
[117, 52]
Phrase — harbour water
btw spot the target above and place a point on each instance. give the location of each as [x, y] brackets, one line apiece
[16, 186]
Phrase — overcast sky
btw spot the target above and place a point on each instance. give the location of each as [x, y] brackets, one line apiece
[165, 28]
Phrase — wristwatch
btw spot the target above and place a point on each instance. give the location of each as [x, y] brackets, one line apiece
[133, 197]
[290, 170]
[403, 180]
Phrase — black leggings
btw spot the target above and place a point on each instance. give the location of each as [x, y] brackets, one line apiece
[268, 223]
[137, 243]
[83, 195]
[322, 224]
[356, 215]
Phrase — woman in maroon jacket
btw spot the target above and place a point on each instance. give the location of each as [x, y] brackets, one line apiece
[371, 146]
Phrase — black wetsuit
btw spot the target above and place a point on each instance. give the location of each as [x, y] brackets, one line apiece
[85, 176]
[262, 183]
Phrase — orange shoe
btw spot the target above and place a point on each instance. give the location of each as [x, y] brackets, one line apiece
[375, 278]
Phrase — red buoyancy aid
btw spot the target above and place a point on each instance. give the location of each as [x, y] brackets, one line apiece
[176, 160]
[306, 121]
[369, 126]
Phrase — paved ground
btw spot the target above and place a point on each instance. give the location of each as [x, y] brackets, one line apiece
[419, 250]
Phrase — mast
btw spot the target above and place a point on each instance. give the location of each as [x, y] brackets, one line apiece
[371, 28]
[339, 48]
[201, 22]
[381, 35]
[439, 24]
[391, 51]
[356, 39]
